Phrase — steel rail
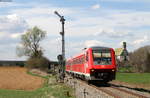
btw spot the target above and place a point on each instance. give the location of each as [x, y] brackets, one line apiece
[129, 92]
[101, 89]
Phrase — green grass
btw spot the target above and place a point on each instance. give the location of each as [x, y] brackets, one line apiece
[56, 90]
[30, 73]
[134, 78]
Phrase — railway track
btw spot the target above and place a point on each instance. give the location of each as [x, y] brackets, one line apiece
[113, 91]
[119, 92]
[129, 92]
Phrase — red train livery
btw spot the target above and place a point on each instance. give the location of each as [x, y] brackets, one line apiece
[95, 63]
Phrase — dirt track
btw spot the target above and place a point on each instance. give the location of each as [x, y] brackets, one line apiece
[17, 78]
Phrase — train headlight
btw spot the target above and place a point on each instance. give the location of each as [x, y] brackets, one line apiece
[92, 70]
[113, 70]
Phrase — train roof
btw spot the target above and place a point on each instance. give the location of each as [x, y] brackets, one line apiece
[93, 48]
[99, 47]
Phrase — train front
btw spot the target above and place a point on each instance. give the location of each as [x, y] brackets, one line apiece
[102, 64]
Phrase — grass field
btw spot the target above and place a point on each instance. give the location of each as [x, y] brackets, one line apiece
[139, 79]
[48, 91]
[18, 76]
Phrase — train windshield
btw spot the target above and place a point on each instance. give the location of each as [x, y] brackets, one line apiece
[102, 57]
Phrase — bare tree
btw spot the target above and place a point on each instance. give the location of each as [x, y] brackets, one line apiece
[140, 59]
[30, 43]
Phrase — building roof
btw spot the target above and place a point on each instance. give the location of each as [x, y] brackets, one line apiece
[119, 51]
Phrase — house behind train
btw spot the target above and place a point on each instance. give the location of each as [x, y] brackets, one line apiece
[122, 53]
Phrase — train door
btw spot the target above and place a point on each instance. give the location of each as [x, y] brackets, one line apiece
[86, 62]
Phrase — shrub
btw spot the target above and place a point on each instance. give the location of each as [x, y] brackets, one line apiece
[40, 63]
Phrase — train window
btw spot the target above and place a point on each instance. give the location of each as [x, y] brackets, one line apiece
[101, 57]
[78, 61]
[73, 62]
[83, 60]
[69, 63]
[87, 56]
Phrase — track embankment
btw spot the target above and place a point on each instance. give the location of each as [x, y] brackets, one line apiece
[85, 90]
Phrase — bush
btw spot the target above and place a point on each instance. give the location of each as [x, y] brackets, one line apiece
[126, 69]
[125, 66]
[40, 63]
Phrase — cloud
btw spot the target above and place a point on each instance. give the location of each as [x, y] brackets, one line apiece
[96, 6]
[16, 35]
[111, 33]
[41, 11]
[127, 0]
[2, 34]
[5, 4]
[12, 24]
[141, 40]
[90, 43]
[114, 24]
[51, 47]
[84, 28]
[12, 17]
[43, 17]
[131, 19]
[8, 52]
[11, 27]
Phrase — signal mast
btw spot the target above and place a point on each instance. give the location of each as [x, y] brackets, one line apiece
[61, 58]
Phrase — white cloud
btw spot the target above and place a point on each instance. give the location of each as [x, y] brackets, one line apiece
[131, 19]
[41, 11]
[127, 0]
[111, 33]
[141, 40]
[96, 6]
[90, 43]
[116, 24]
[79, 24]
[8, 52]
[11, 27]
[15, 35]
[12, 24]
[51, 47]
[2, 34]
[43, 17]
[5, 4]
[13, 17]
[49, 24]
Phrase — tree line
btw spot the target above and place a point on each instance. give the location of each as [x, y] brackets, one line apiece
[139, 61]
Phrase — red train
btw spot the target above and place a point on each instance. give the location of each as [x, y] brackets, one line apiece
[95, 63]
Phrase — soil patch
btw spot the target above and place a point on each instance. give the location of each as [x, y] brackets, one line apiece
[18, 79]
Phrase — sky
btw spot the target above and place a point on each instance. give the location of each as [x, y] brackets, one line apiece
[88, 23]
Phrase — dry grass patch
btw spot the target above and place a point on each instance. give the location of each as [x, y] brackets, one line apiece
[18, 79]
